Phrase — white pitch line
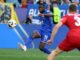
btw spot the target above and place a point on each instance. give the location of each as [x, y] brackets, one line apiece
[18, 34]
[26, 34]
[23, 30]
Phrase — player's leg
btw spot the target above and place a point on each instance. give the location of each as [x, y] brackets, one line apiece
[26, 44]
[22, 47]
[35, 34]
[54, 53]
[43, 48]
[44, 38]
[29, 40]
[66, 45]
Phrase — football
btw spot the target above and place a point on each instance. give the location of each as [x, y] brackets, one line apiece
[12, 23]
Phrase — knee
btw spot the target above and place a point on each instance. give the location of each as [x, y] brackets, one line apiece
[48, 58]
[35, 34]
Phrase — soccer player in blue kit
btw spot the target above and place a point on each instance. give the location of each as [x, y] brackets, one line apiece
[44, 32]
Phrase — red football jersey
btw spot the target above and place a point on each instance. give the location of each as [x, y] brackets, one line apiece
[72, 21]
[72, 40]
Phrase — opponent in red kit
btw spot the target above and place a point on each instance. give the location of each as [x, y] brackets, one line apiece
[72, 40]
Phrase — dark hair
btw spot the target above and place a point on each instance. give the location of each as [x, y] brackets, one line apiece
[41, 6]
[72, 7]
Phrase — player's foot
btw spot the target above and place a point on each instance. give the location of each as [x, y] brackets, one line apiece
[22, 47]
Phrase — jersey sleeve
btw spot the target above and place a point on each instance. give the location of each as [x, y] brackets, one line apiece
[47, 12]
[64, 19]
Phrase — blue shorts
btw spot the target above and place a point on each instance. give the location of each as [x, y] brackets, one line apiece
[45, 36]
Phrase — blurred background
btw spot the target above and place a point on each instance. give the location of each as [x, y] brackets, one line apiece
[20, 10]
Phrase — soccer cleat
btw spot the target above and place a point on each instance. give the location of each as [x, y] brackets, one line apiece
[22, 47]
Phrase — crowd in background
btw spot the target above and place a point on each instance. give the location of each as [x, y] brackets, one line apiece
[48, 4]
[24, 3]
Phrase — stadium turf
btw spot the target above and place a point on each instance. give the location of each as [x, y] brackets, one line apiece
[35, 54]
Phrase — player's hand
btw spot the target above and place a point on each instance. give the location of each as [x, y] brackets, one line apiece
[49, 42]
[41, 14]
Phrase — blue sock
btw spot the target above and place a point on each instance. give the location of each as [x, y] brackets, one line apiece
[28, 42]
[45, 50]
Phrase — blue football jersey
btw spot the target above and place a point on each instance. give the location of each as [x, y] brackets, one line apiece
[47, 22]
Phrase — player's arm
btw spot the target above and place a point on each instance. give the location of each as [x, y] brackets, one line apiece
[55, 29]
[48, 15]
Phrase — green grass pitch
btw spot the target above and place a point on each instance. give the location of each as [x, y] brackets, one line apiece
[35, 54]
